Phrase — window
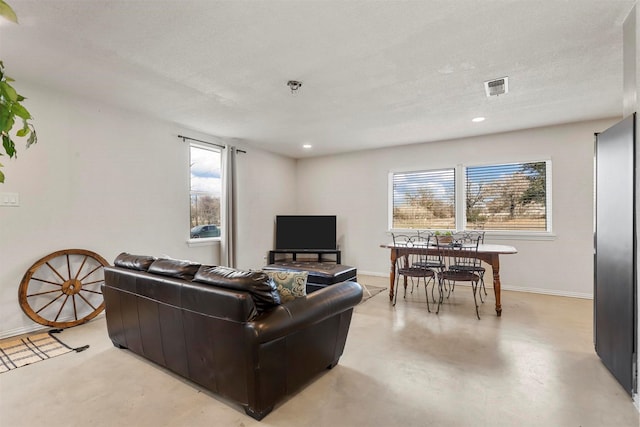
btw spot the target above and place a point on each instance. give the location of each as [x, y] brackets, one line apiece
[424, 200]
[505, 197]
[206, 190]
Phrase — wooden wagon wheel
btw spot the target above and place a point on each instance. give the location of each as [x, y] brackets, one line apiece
[63, 288]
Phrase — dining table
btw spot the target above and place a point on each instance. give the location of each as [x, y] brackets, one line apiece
[488, 253]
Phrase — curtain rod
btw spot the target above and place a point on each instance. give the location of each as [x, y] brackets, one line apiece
[207, 142]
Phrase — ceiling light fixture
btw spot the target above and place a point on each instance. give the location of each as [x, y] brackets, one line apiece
[294, 85]
[477, 119]
[307, 146]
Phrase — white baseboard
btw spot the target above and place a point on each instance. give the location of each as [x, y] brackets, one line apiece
[373, 273]
[550, 292]
[509, 288]
[33, 328]
[22, 330]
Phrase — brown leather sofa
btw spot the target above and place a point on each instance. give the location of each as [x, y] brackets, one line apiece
[226, 329]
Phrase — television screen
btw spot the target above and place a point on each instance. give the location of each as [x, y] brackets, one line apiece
[301, 232]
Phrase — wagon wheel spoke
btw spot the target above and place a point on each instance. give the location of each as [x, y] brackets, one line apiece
[91, 272]
[46, 281]
[56, 272]
[88, 303]
[43, 293]
[75, 309]
[50, 302]
[90, 291]
[94, 282]
[61, 307]
[81, 266]
[68, 267]
[71, 303]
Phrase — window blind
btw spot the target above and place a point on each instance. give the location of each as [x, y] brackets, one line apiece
[424, 200]
[507, 197]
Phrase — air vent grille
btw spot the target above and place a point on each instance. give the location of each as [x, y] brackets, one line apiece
[497, 86]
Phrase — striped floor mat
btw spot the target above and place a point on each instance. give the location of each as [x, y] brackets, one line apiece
[370, 291]
[18, 352]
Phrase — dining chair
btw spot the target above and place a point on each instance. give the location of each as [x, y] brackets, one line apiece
[461, 265]
[471, 237]
[431, 260]
[410, 267]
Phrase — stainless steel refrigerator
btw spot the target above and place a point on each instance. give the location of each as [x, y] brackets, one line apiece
[615, 240]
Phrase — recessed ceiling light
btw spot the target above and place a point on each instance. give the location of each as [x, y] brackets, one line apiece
[306, 146]
[477, 119]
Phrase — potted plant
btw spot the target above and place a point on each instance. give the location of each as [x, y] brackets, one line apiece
[12, 112]
[444, 236]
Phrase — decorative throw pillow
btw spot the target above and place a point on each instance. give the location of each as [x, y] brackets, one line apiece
[290, 284]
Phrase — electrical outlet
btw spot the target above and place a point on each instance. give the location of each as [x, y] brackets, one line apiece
[9, 199]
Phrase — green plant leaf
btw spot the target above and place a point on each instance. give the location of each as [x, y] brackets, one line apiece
[8, 91]
[9, 146]
[4, 118]
[6, 121]
[7, 12]
[20, 111]
[24, 131]
[10, 106]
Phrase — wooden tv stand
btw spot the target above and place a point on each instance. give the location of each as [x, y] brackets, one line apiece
[295, 252]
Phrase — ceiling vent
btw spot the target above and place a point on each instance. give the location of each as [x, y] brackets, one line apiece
[496, 87]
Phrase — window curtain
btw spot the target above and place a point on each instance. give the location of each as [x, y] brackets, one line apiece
[229, 214]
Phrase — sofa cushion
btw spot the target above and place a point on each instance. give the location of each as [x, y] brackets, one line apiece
[290, 284]
[178, 268]
[257, 283]
[134, 262]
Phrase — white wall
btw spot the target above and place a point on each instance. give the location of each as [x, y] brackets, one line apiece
[354, 186]
[110, 180]
[267, 186]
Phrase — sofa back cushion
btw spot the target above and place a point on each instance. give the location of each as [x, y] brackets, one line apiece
[178, 268]
[258, 284]
[198, 298]
[134, 262]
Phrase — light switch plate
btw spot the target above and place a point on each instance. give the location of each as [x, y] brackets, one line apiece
[9, 199]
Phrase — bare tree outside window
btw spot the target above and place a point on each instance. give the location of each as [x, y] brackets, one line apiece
[424, 200]
[206, 189]
[497, 197]
[507, 197]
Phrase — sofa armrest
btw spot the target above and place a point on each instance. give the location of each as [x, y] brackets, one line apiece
[305, 311]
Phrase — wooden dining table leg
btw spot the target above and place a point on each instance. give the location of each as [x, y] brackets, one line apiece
[392, 274]
[495, 266]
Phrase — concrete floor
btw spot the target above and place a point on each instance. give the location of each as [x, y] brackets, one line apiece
[534, 366]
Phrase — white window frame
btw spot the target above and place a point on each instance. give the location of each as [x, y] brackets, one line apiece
[204, 241]
[461, 195]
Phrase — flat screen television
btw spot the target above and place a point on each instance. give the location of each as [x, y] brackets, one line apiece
[300, 232]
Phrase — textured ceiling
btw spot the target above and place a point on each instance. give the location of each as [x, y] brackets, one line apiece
[374, 73]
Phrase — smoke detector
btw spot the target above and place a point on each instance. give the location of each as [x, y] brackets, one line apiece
[496, 87]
